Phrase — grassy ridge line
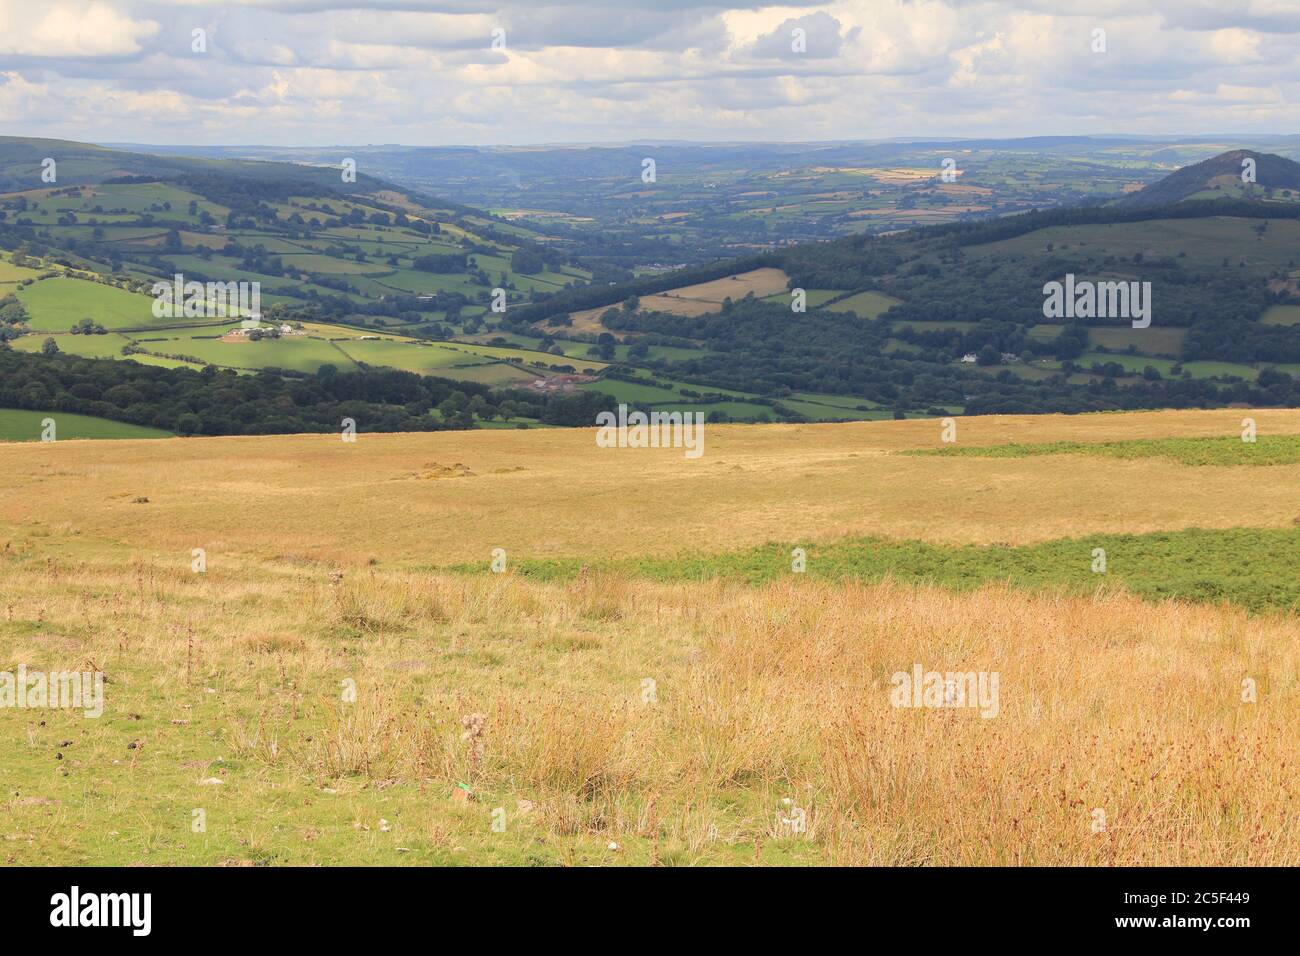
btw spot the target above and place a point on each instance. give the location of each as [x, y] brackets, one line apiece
[1265, 450]
[1254, 568]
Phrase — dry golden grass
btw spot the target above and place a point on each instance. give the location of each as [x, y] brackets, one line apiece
[761, 282]
[554, 493]
[676, 305]
[588, 320]
[761, 695]
[1105, 703]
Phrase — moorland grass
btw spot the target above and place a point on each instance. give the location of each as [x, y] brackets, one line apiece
[554, 494]
[223, 695]
[765, 686]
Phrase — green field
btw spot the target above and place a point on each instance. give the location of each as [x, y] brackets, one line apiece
[160, 362]
[1045, 332]
[297, 353]
[501, 374]
[54, 305]
[21, 425]
[87, 346]
[817, 411]
[1199, 369]
[1166, 342]
[1281, 315]
[850, 402]
[633, 391]
[427, 359]
[866, 305]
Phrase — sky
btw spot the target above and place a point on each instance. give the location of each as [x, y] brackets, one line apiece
[496, 72]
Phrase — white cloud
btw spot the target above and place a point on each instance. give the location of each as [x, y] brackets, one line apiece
[332, 71]
[69, 29]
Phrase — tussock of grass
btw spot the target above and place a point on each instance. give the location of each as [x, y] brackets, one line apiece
[1255, 568]
[1265, 450]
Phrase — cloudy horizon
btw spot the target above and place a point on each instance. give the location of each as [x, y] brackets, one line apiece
[506, 72]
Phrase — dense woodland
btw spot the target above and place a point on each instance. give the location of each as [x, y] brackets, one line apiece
[222, 402]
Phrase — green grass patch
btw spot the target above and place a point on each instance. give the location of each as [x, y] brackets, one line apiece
[866, 305]
[625, 391]
[109, 345]
[57, 304]
[12, 273]
[22, 425]
[1255, 568]
[1167, 342]
[1136, 364]
[1265, 450]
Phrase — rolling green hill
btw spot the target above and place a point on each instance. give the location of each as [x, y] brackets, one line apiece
[1222, 176]
[91, 245]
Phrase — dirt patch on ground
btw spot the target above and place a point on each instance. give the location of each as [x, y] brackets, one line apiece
[432, 471]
